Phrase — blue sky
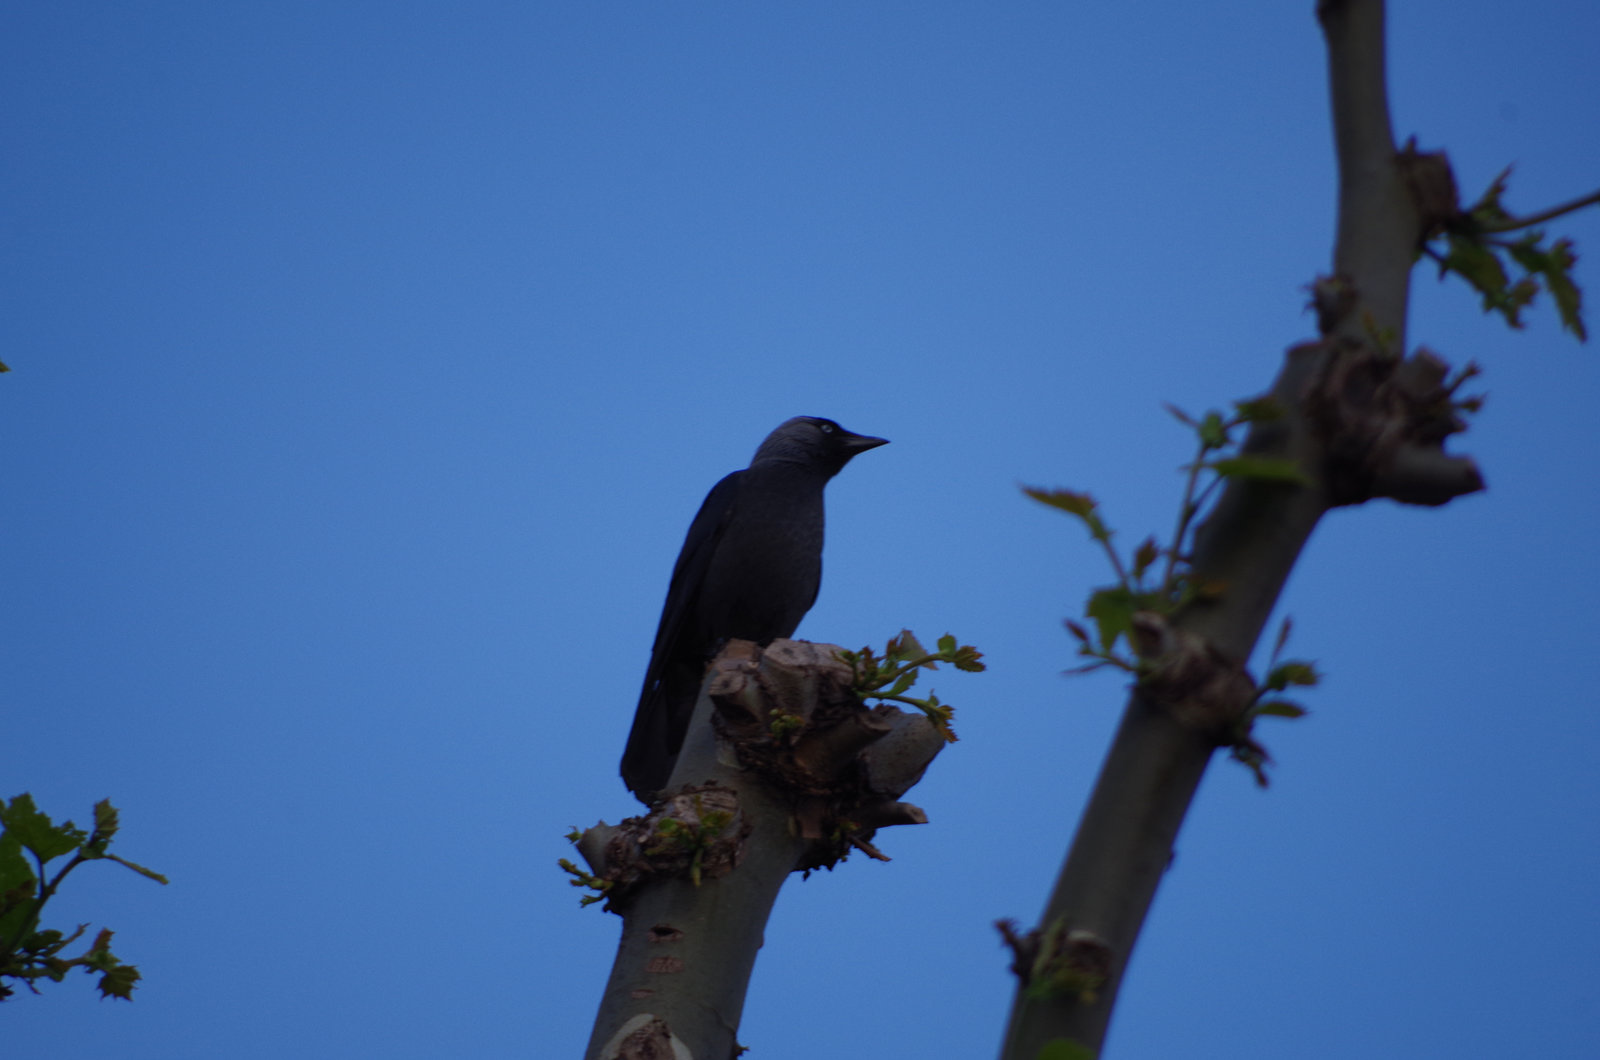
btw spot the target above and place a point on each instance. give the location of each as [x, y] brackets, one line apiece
[371, 359]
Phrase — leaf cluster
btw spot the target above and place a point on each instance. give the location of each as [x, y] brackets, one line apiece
[1110, 637]
[891, 675]
[1281, 676]
[1140, 585]
[29, 952]
[692, 840]
[1475, 249]
[599, 884]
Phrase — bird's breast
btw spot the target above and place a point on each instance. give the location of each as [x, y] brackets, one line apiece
[767, 567]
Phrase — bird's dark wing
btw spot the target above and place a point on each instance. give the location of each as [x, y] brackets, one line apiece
[681, 644]
[689, 573]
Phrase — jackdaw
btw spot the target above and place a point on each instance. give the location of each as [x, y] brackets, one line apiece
[750, 569]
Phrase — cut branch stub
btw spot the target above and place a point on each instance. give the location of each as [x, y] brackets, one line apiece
[1061, 962]
[643, 1038]
[1334, 299]
[1382, 424]
[1432, 185]
[1205, 691]
[698, 832]
[788, 713]
[895, 763]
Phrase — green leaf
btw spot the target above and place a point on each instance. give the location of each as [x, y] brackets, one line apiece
[14, 868]
[105, 819]
[1487, 210]
[1476, 263]
[941, 715]
[1520, 294]
[947, 645]
[1213, 431]
[967, 659]
[1281, 708]
[36, 832]
[17, 908]
[1293, 672]
[1569, 298]
[904, 645]
[119, 982]
[1145, 555]
[1080, 504]
[1112, 610]
[105, 827]
[1261, 469]
[1526, 252]
[117, 979]
[1474, 255]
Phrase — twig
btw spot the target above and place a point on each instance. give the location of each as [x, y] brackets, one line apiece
[1511, 224]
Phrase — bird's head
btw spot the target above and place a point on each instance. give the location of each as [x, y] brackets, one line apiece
[815, 442]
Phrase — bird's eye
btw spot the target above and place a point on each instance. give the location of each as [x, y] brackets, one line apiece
[825, 428]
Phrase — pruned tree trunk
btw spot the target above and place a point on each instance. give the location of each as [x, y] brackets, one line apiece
[783, 770]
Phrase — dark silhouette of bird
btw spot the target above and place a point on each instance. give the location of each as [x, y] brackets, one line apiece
[750, 569]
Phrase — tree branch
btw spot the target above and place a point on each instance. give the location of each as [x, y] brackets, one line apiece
[1072, 966]
[1377, 228]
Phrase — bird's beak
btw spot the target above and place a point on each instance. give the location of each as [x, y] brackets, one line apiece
[860, 443]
